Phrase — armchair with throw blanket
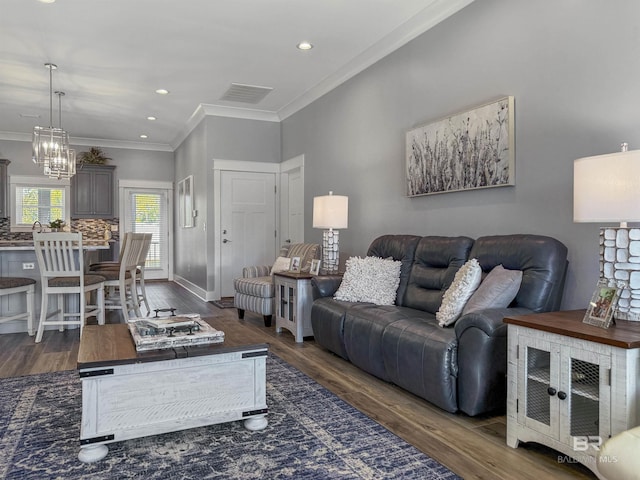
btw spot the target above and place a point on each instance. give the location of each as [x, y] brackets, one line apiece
[255, 291]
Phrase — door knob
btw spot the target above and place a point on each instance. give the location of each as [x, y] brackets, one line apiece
[226, 241]
[551, 391]
[562, 395]
[288, 240]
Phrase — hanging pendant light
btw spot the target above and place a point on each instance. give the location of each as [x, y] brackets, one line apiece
[49, 142]
[63, 164]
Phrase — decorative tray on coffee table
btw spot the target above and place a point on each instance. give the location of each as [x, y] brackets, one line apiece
[175, 331]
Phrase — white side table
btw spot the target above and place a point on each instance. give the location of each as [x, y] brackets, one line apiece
[293, 303]
[571, 385]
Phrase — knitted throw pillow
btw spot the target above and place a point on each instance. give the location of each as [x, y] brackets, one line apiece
[370, 279]
[455, 298]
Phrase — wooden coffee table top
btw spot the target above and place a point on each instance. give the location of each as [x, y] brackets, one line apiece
[108, 345]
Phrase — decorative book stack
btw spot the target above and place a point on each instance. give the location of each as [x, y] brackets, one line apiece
[179, 331]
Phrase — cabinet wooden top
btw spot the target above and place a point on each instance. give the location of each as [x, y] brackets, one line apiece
[294, 275]
[109, 345]
[624, 334]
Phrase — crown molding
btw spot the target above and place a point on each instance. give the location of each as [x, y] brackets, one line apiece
[91, 142]
[204, 110]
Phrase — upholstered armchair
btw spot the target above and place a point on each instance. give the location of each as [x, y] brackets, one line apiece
[255, 290]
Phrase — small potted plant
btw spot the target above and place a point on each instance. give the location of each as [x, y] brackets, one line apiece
[56, 225]
[95, 156]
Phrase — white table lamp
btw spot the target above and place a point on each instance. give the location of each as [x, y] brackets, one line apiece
[606, 188]
[330, 212]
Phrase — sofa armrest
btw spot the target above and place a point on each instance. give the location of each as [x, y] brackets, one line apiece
[325, 286]
[256, 271]
[490, 321]
[482, 360]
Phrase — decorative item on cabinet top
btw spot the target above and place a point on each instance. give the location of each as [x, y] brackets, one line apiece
[95, 156]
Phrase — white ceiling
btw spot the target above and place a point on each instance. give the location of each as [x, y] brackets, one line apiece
[113, 54]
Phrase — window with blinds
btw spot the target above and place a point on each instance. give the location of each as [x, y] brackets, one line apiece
[146, 212]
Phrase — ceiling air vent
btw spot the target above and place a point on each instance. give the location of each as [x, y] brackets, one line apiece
[245, 93]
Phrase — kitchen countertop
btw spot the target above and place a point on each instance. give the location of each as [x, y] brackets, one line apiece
[9, 245]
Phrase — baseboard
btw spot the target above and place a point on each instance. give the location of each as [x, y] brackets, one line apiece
[199, 292]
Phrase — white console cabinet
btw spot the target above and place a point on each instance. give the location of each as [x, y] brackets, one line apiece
[571, 385]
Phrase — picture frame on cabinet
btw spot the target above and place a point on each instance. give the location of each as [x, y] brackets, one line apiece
[295, 264]
[315, 266]
[603, 304]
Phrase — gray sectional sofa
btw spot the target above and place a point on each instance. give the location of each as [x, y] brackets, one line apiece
[462, 367]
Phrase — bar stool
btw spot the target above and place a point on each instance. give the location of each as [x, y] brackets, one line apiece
[61, 261]
[13, 285]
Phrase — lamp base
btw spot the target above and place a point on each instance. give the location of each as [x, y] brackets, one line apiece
[620, 262]
[330, 251]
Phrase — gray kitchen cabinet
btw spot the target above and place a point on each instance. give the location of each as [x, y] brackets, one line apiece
[92, 192]
[4, 188]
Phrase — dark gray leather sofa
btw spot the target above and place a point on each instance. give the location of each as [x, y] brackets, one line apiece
[462, 367]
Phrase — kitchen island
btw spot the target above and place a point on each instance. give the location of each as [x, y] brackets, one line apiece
[18, 259]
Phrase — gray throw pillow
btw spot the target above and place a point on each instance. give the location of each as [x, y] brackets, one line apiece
[497, 290]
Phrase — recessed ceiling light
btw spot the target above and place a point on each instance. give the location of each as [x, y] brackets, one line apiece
[47, 1]
[162, 91]
[304, 46]
[151, 118]
[143, 136]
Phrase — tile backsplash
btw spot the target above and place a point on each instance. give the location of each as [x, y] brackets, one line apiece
[92, 229]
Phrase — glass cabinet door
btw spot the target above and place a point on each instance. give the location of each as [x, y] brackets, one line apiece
[538, 401]
[587, 376]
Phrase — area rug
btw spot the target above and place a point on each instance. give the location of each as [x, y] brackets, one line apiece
[224, 302]
[311, 434]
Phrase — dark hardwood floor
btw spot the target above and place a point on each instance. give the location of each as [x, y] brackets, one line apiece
[474, 448]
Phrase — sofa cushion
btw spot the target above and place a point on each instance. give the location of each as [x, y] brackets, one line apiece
[421, 358]
[497, 290]
[465, 282]
[398, 247]
[437, 259]
[542, 260]
[261, 287]
[364, 324]
[370, 279]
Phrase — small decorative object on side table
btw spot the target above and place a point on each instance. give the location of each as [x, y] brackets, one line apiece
[293, 303]
[571, 385]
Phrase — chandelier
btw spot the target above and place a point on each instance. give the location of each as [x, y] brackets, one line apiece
[50, 144]
[62, 165]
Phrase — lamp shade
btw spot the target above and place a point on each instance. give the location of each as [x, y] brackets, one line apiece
[606, 188]
[331, 211]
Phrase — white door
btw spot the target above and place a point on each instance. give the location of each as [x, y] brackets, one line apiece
[145, 211]
[292, 206]
[247, 224]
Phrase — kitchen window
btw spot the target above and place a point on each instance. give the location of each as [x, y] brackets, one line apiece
[38, 199]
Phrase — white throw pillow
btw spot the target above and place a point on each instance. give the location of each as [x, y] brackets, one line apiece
[497, 290]
[281, 265]
[455, 298]
[370, 279]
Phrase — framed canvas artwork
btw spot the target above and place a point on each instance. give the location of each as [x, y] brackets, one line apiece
[465, 151]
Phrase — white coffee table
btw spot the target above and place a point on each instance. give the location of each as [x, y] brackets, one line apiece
[127, 395]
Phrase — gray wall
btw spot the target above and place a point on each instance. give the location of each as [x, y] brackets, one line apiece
[572, 68]
[215, 138]
[130, 164]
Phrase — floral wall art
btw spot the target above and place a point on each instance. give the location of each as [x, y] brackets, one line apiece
[469, 150]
